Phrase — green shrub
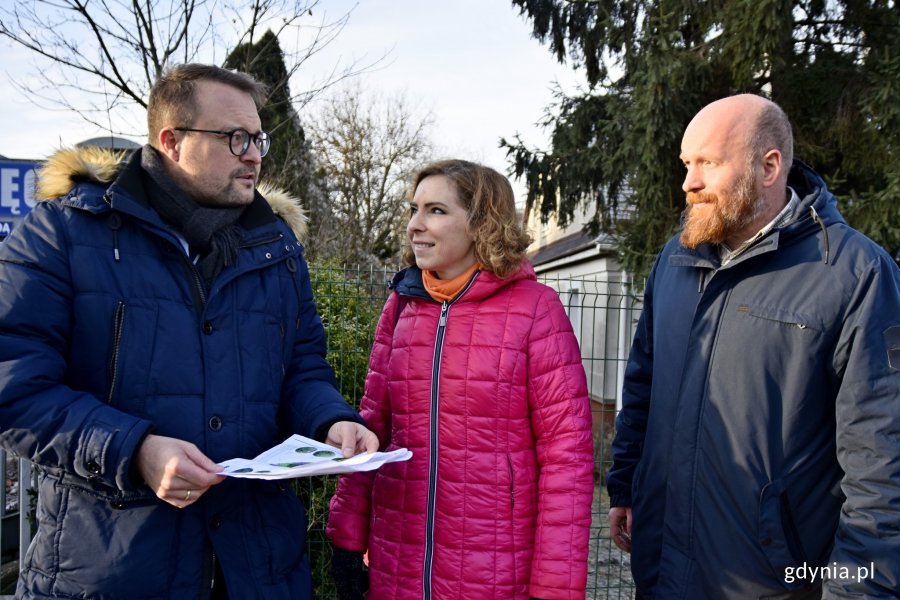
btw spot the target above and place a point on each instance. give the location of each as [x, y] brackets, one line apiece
[349, 301]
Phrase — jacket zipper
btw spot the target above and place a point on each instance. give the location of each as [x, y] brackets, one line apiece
[433, 440]
[433, 450]
[118, 321]
[274, 238]
[212, 579]
[512, 483]
[743, 308]
[198, 289]
[512, 509]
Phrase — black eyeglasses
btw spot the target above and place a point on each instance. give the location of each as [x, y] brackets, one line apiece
[239, 139]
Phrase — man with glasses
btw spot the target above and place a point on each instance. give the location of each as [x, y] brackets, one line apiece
[156, 317]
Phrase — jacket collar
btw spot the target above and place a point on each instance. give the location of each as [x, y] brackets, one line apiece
[98, 180]
[408, 282]
[816, 210]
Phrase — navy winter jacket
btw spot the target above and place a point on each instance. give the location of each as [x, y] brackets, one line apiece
[106, 335]
[760, 431]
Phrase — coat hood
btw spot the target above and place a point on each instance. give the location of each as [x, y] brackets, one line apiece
[68, 167]
[813, 192]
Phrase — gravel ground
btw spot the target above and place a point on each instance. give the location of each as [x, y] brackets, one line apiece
[12, 483]
[609, 569]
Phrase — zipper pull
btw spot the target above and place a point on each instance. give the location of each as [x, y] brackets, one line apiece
[444, 309]
[212, 580]
[115, 223]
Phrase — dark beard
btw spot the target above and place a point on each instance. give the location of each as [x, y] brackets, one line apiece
[726, 214]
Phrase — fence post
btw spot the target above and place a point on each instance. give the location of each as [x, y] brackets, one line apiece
[2, 493]
[624, 338]
[25, 484]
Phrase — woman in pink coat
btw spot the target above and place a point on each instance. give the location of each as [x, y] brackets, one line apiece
[474, 368]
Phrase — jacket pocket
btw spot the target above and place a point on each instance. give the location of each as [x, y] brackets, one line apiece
[262, 346]
[96, 489]
[111, 347]
[277, 529]
[780, 316]
[79, 535]
[892, 342]
[777, 533]
[115, 351]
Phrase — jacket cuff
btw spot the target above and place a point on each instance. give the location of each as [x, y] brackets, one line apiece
[128, 478]
[135, 479]
[322, 431]
[616, 500]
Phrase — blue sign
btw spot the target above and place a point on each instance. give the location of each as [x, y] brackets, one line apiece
[17, 181]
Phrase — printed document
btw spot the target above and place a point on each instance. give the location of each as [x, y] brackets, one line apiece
[299, 456]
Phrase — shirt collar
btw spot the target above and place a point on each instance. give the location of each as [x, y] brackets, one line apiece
[781, 219]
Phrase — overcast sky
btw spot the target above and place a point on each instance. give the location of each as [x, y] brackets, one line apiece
[473, 63]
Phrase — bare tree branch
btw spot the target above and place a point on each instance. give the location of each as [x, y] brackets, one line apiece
[367, 147]
[95, 55]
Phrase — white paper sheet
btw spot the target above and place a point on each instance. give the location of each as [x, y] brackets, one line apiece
[299, 456]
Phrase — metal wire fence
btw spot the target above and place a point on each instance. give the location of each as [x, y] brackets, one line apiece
[603, 313]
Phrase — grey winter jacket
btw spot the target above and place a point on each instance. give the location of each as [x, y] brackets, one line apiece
[760, 431]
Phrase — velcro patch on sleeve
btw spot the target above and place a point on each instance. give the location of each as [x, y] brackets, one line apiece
[892, 343]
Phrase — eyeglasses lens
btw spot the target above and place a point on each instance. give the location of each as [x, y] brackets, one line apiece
[240, 142]
[263, 141]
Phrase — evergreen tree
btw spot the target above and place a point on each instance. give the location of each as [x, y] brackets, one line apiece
[290, 166]
[833, 65]
[290, 163]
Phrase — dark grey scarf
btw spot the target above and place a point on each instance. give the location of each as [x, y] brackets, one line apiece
[211, 232]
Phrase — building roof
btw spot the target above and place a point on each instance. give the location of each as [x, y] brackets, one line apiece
[569, 245]
[109, 141]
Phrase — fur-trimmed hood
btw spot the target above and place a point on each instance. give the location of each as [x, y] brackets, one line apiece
[62, 171]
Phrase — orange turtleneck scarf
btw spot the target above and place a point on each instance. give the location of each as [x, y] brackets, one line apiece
[447, 289]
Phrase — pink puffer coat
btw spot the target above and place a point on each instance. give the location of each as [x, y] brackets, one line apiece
[489, 393]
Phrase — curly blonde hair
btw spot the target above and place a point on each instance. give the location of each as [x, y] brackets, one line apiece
[487, 196]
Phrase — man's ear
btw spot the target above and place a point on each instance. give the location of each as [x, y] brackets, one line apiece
[771, 167]
[169, 143]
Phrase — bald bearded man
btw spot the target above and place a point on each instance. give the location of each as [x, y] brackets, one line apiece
[756, 452]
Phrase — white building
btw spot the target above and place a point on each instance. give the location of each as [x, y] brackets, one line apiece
[601, 303]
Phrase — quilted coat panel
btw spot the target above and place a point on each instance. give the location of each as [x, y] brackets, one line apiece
[495, 410]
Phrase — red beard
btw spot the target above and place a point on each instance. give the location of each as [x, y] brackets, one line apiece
[722, 216]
